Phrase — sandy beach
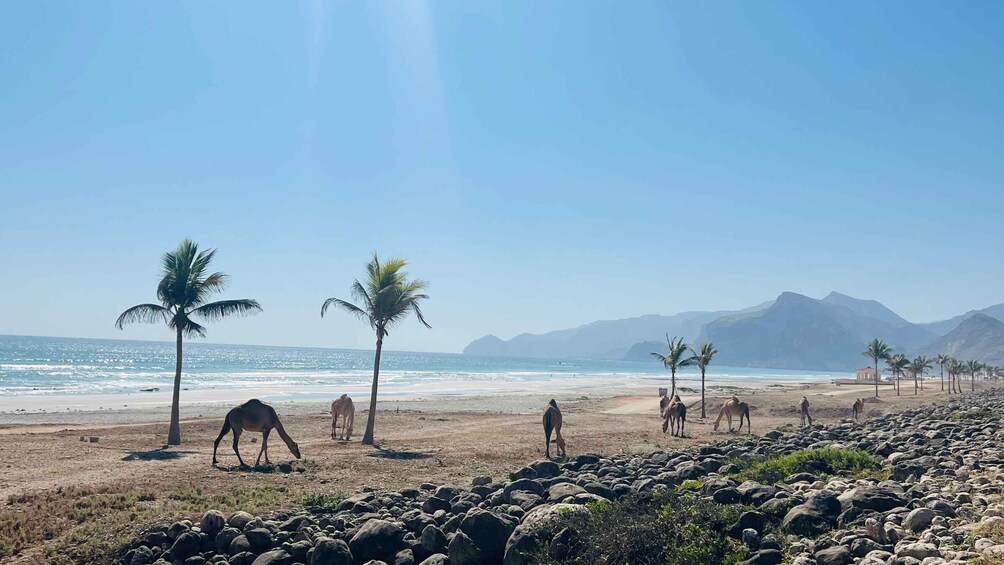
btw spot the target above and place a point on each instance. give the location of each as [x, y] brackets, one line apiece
[442, 439]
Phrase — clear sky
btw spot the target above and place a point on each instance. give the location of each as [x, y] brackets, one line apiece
[542, 164]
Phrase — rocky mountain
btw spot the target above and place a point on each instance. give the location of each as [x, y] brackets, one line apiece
[606, 339]
[979, 337]
[791, 332]
[799, 332]
[944, 326]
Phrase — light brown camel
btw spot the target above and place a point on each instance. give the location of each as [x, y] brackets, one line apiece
[858, 408]
[733, 407]
[664, 402]
[552, 421]
[342, 407]
[254, 416]
[804, 408]
[675, 416]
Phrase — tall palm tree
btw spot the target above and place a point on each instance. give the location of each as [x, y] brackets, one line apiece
[702, 359]
[674, 358]
[942, 359]
[918, 367]
[387, 297]
[185, 285]
[897, 364]
[877, 350]
[954, 368]
[973, 367]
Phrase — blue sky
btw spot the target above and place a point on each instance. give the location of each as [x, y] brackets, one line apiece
[543, 165]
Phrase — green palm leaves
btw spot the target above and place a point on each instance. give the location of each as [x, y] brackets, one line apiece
[183, 292]
[877, 350]
[386, 296]
[673, 359]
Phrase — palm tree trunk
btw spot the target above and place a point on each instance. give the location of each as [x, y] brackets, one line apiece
[703, 413]
[942, 378]
[371, 419]
[875, 358]
[972, 382]
[174, 431]
[672, 372]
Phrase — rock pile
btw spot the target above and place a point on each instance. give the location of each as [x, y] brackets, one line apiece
[944, 490]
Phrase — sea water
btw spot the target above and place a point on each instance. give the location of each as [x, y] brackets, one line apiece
[32, 366]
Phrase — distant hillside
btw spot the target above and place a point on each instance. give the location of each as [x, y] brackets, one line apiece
[607, 339]
[944, 326]
[791, 332]
[799, 332]
[979, 337]
[868, 308]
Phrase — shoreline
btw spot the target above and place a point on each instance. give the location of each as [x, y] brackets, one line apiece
[152, 407]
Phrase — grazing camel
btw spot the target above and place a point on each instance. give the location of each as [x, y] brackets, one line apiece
[664, 402]
[342, 407]
[733, 407]
[804, 408]
[858, 408]
[254, 416]
[552, 421]
[675, 416]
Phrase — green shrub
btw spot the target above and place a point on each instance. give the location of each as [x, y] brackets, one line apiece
[978, 414]
[690, 484]
[824, 460]
[670, 529]
[323, 500]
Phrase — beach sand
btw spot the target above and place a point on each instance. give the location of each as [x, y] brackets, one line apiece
[442, 439]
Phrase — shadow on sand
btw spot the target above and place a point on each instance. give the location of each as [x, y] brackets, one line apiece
[159, 454]
[400, 455]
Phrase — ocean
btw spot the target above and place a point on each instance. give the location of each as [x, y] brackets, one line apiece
[33, 366]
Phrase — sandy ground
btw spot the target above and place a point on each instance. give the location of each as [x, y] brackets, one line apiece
[442, 441]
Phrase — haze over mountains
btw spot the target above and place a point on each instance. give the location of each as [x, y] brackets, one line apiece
[791, 332]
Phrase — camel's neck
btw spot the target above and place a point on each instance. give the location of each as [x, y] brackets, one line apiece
[282, 433]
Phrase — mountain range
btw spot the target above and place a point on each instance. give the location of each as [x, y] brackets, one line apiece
[792, 331]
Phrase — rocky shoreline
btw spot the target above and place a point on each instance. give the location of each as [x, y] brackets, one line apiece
[944, 492]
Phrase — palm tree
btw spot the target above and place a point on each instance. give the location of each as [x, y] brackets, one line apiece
[954, 368]
[919, 366]
[973, 367]
[674, 359]
[897, 364]
[387, 296]
[877, 349]
[184, 287]
[702, 359]
[942, 359]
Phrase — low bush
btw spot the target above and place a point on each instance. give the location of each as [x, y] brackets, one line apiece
[978, 414]
[670, 529]
[823, 461]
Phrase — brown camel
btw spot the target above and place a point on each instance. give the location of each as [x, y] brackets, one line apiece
[733, 407]
[858, 408]
[804, 408]
[675, 416]
[254, 416]
[342, 407]
[552, 421]
[664, 402]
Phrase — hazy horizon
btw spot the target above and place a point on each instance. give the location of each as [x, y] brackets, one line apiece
[542, 166]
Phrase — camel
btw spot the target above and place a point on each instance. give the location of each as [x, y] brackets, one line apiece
[858, 408]
[552, 421]
[675, 416]
[342, 407]
[804, 408]
[733, 407]
[254, 416]
[664, 402]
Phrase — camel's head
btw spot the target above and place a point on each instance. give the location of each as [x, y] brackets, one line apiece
[294, 449]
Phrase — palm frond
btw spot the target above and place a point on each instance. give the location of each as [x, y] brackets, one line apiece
[227, 308]
[418, 313]
[347, 307]
[147, 313]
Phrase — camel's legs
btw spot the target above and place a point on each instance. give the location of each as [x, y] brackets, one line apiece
[264, 447]
[237, 437]
[334, 426]
[728, 418]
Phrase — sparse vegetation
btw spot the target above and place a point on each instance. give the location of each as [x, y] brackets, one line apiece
[322, 500]
[824, 460]
[690, 484]
[668, 530]
[978, 414]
